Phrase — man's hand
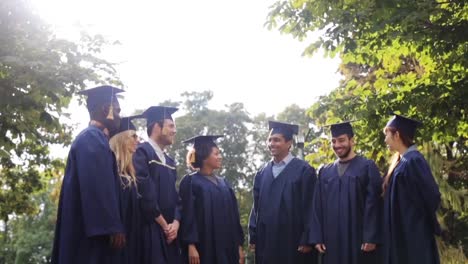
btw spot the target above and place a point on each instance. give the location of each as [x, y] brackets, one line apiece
[252, 247]
[304, 249]
[368, 247]
[171, 231]
[241, 255]
[162, 222]
[194, 258]
[321, 248]
[117, 241]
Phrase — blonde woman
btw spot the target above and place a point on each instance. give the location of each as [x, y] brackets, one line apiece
[124, 144]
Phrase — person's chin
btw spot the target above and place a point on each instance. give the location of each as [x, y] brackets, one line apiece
[342, 156]
[339, 153]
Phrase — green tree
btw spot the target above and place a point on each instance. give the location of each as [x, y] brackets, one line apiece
[402, 56]
[39, 74]
[31, 235]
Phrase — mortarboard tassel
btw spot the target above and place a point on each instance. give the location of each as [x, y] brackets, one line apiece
[192, 158]
[110, 116]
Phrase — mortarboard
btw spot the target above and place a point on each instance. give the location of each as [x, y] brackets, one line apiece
[198, 141]
[404, 124]
[158, 113]
[99, 96]
[341, 128]
[288, 130]
[126, 123]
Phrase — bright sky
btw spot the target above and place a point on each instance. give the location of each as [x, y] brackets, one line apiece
[168, 47]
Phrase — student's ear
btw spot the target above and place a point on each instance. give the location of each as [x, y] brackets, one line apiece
[397, 135]
[104, 110]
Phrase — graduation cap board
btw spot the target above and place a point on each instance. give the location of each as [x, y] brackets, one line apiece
[100, 95]
[341, 128]
[126, 123]
[158, 113]
[404, 124]
[288, 130]
[198, 141]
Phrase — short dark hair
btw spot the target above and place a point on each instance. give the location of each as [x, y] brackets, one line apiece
[350, 136]
[202, 152]
[149, 128]
[96, 112]
[286, 137]
[405, 139]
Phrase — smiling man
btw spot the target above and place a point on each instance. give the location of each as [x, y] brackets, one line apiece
[347, 204]
[156, 178]
[283, 189]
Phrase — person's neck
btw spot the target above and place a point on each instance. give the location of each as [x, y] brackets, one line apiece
[280, 158]
[159, 143]
[401, 149]
[99, 125]
[350, 156]
[207, 171]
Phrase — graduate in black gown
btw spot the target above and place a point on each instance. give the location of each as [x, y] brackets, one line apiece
[411, 198]
[279, 226]
[157, 176]
[89, 227]
[211, 229]
[347, 219]
[124, 145]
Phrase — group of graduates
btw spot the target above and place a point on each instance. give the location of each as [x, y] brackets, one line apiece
[119, 202]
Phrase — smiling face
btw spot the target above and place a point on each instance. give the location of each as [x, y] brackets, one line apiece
[166, 135]
[278, 146]
[342, 146]
[214, 160]
[131, 141]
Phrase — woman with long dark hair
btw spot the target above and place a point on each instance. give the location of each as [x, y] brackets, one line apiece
[211, 229]
[411, 198]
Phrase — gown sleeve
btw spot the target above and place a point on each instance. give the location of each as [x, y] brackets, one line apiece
[189, 220]
[98, 187]
[373, 206]
[146, 186]
[240, 231]
[309, 179]
[316, 235]
[253, 212]
[425, 188]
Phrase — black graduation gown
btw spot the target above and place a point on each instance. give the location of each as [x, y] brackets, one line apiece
[131, 216]
[157, 187]
[281, 215]
[210, 220]
[411, 202]
[88, 210]
[347, 212]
